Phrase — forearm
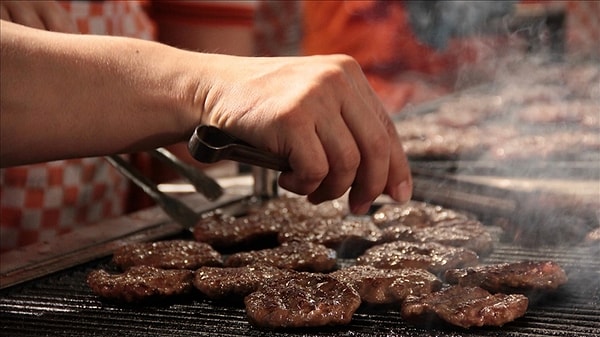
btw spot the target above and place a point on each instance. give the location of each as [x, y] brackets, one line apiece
[72, 95]
[81, 95]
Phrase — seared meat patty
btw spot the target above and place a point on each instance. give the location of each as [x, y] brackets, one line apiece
[225, 231]
[415, 214]
[349, 237]
[301, 256]
[510, 277]
[263, 222]
[221, 283]
[140, 283]
[470, 234]
[430, 256]
[465, 307]
[381, 286]
[173, 254]
[299, 208]
[302, 300]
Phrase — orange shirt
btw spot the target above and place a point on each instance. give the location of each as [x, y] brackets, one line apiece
[378, 35]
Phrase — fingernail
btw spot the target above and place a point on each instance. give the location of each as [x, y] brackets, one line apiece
[402, 192]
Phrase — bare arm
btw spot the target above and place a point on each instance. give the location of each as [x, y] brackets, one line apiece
[66, 95]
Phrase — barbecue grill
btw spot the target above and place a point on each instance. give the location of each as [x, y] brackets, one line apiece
[61, 304]
[48, 295]
[43, 291]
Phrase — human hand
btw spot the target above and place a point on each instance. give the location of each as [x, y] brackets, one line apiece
[321, 114]
[47, 15]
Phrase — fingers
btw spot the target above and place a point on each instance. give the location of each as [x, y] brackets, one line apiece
[322, 114]
[56, 19]
[374, 143]
[383, 164]
[324, 156]
[47, 15]
[306, 175]
[24, 13]
[399, 185]
[343, 157]
[359, 146]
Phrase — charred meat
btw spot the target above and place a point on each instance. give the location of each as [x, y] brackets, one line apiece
[141, 283]
[262, 223]
[430, 256]
[510, 277]
[297, 209]
[301, 256]
[171, 254]
[415, 214]
[302, 300]
[348, 237]
[235, 282]
[465, 307]
[227, 232]
[470, 234]
[382, 286]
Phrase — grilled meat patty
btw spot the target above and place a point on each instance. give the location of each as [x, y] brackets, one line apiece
[301, 256]
[262, 223]
[302, 300]
[140, 283]
[235, 282]
[381, 286]
[510, 277]
[348, 237]
[299, 208]
[430, 256]
[415, 214]
[470, 234]
[226, 232]
[171, 254]
[465, 307]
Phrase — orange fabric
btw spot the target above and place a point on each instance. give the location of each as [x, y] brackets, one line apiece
[378, 35]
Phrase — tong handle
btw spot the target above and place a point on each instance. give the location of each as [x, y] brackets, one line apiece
[209, 144]
[203, 183]
[175, 208]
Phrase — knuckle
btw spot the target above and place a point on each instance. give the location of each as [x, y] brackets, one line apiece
[380, 146]
[309, 180]
[349, 160]
[346, 60]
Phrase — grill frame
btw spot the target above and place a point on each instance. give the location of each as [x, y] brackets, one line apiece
[61, 304]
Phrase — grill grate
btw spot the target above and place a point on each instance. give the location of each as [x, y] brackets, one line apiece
[61, 304]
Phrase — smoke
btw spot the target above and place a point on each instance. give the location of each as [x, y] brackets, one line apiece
[436, 22]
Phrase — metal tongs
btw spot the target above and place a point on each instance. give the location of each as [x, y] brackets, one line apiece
[175, 208]
[202, 183]
[209, 144]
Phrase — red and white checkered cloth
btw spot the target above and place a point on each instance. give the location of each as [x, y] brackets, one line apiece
[37, 202]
